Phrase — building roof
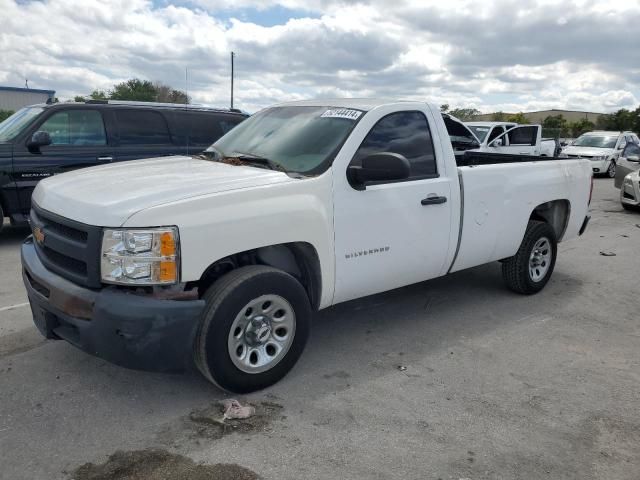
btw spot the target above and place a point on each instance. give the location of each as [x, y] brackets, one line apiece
[27, 90]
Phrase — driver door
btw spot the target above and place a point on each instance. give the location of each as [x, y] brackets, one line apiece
[625, 166]
[393, 233]
[522, 140]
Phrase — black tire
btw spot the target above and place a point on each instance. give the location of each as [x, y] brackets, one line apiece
[611, 171]
[225, 299]
[629, 208]
[515, 270]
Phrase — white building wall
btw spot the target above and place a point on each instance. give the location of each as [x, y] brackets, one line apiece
[15, 100]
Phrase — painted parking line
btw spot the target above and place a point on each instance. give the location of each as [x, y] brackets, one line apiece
[12, 307]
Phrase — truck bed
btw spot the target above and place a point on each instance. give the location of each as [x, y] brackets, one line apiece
[473, 158]
[499, 195]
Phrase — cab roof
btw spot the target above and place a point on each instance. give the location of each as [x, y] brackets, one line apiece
[364, 104]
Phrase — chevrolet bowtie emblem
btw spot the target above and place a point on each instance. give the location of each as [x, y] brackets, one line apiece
[38, 234]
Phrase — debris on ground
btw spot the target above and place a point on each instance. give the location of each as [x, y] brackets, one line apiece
[234, 409]
[153, 464]
[402, 368]
[220, 419]
[607, 254]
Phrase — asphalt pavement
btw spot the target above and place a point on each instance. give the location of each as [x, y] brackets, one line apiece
[455, 378]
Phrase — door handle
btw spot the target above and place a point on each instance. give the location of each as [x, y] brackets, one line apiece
[105, 159]
[433, 200]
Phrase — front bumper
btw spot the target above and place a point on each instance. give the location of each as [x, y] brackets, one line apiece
[600, 166]
[630, 193]
[585, 222]
[127, 329]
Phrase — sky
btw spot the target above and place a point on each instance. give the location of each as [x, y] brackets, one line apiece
[492, 55]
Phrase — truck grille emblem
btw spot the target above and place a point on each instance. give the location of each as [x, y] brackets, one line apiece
[38, 234]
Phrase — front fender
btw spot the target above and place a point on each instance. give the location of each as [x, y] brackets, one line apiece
[219, 225]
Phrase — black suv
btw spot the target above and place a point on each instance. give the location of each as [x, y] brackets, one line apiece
[43, 140]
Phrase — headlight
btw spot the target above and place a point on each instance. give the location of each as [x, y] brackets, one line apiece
[140, 256]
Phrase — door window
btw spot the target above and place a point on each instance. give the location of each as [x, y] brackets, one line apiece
[523, 136]
[495, 133]
[631, 149]
[404, 133]
[142, 127]
[75, 127]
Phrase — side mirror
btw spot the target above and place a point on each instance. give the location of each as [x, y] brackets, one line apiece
[378, 167]
[498, 142]
[633, 158]
[621, 147]
[39, 139]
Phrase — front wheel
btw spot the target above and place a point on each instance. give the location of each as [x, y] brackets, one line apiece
[611, 171]
[253, 330]
[529, 270]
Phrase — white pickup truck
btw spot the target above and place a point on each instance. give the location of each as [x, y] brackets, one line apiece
[219, 260]
[511, 138]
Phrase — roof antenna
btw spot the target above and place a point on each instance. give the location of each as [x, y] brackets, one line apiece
[186, 104]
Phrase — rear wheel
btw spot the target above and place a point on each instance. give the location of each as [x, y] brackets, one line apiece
[253, 329]
[529, 270]
[611, 171]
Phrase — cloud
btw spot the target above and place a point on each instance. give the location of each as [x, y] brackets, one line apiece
[492, 55]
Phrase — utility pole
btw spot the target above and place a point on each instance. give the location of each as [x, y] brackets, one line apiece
[232, 55]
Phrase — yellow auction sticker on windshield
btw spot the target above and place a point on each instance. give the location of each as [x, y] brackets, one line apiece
[342, 113]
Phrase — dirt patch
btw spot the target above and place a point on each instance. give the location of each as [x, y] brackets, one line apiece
[153, 464]
[209, 422]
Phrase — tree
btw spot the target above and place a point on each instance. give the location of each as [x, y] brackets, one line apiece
[581, 126]
[4, 114]
[140, 91]
[79, 99]
[444, 108]
[465, 114]
[98, 95]
[518, 118]
[636, 120]
[555, 126]
[166, 94]
[498, 117]
[135, 90]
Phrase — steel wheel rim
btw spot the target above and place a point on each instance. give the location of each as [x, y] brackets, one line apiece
[612, 170]
[540, 259]
[261, 334]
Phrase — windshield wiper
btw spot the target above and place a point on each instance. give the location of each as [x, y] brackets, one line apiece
[251, 158]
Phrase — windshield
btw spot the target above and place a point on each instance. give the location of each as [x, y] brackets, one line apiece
[481, 132]
[13, 125]
[299, 139]
[597, 141]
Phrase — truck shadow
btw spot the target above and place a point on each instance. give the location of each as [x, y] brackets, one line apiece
[351, 343]
[11, 235]
[367, 337]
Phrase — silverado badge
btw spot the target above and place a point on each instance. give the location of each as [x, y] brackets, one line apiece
[38, 234]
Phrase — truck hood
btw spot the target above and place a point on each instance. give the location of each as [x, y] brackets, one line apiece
[587, 151]
[108, 195]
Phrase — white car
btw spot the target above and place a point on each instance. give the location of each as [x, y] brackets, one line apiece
[602, 148]
[511, 138]
[630, 191]
[220, 259]
[628, 162]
